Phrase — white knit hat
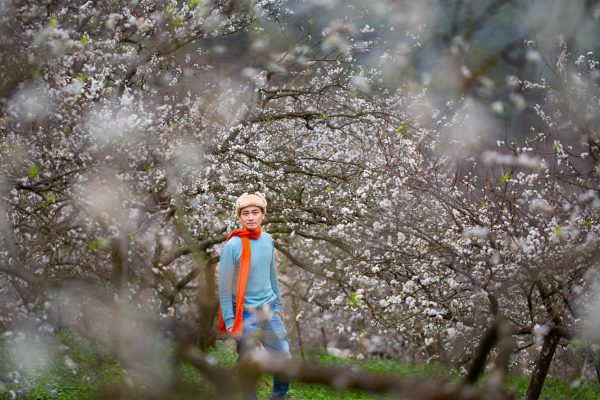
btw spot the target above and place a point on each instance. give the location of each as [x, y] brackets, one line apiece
[257, 199]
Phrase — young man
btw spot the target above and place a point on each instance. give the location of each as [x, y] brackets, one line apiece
[248, 289]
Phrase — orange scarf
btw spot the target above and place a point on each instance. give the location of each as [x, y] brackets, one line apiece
[243, 275]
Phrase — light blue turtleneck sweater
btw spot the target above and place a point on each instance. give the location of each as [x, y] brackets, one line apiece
[262, 287]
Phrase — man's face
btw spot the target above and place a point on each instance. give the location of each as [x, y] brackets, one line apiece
[252, 217]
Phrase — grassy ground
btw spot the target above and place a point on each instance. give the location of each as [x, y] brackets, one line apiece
[99, 376]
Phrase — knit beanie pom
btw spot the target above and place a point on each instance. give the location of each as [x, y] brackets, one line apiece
[257, 199]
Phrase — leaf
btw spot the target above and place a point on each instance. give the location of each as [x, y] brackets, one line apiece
[556, 229]
[353, 300]
[324, 116]
[133, 237]
[94, 244]
[555, 147]
[483, 203]
[505, 177]
[81, 77]
[400, 128]
[50, 197]
[34, 171]
[588, 223]
[84, 40]
[194, 3]
[177, 21]
[329, 189]
[53, 22]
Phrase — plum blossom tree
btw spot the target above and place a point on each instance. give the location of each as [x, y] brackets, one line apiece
[128, 129]
[510, 233]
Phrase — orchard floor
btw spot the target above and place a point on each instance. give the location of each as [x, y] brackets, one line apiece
[82, 371]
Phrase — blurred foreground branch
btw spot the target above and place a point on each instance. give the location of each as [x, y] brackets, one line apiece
[252, 367]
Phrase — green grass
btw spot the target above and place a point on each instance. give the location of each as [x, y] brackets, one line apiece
[555, 389]
[317, 392]
[56, 380]
[99, 376]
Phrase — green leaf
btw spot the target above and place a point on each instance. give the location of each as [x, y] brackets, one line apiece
[84, 40]
[53, 22]
[50, 197]
[177, 21]
[556, 229]
[353, 300]
[324, 116]
[94, 244]
[133, 237]
[34, 171]
[555, 147]
[505, 177]
[311, 21]
[169, 9]
[400, 128]
[149, 167]
[194, 3]
[588, 223]
[483, 203]
[329, 189]
[81, 77]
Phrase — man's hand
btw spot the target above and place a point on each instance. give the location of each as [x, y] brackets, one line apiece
[235, 335]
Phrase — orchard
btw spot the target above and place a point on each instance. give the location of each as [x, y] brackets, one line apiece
[432, 170]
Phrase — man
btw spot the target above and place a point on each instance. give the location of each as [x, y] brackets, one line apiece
[248, 289]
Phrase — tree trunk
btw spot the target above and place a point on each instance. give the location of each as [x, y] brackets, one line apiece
[542, 364]
[208, 306]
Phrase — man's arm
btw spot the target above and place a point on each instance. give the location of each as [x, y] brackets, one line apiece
[278, 306]
[226, 271]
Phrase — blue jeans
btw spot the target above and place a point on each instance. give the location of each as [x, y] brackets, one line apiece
[264, 326]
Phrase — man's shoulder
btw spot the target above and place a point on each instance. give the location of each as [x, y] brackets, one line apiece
[266, 236]
[233, 243]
